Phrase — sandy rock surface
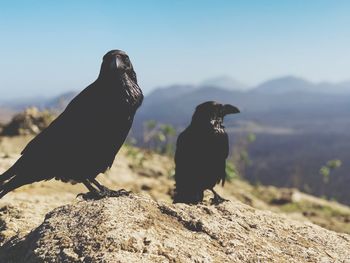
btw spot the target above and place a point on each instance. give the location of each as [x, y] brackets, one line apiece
[45, 222]
[139, 229]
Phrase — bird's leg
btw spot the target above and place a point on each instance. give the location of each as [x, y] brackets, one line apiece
[217, 199]
[108, 192]
[93, 192]
[89, 186]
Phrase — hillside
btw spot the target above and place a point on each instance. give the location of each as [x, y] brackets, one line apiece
[298, 125]
[147, 173]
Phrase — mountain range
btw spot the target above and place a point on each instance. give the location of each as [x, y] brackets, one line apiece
[277, 86]
[288, 101]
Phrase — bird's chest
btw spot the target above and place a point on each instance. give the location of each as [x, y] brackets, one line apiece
[131, 94]
[210, 142]
[217, 128]
[108, 120]
[133, 97]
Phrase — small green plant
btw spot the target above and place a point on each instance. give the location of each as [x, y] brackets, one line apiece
[240, 154]
[130, 141]
[171, 173]
[168, 133]
[251, 137]
[137, 156]
[159, 137]
[231, 171]
[326, 169]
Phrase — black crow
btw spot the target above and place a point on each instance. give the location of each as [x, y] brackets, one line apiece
[201, 152]
[83, 141]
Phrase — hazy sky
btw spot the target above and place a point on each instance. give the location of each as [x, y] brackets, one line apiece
[48, 47]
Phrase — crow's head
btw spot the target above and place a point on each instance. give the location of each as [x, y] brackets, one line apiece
[116, 64]
[213, 113]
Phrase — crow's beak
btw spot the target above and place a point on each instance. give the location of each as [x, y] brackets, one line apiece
[117, 63]
[230, 109]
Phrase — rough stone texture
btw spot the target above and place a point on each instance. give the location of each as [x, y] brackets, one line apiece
[30, 121]
[139, 229]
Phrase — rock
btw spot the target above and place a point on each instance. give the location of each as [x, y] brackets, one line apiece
[31, 121]
[139, 229]
[285, 197]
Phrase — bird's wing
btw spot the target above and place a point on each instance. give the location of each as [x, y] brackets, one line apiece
[186, 147]
[180, 152]
[71, 121]
[224, 145]
[217, 152]
[185, 154]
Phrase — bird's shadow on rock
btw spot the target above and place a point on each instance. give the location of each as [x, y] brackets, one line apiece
[20, 249]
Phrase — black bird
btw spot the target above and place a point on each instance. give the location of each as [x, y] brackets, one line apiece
[84, 140]
[201, 152]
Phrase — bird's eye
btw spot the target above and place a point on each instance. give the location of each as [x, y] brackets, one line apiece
[127, 60]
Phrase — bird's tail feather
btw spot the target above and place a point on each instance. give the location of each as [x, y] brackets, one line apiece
[7, 175]
[188, 196]
[8, 181]
[9, 186]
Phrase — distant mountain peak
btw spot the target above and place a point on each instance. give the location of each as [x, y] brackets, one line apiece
[285, 84]
[289, 78]
[289, 84]
[225, 82]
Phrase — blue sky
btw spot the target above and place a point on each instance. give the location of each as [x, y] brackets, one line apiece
[48, 47]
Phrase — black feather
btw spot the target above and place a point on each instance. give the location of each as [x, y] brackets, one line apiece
[201, 152]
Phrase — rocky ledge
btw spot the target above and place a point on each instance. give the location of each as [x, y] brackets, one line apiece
[137, 229]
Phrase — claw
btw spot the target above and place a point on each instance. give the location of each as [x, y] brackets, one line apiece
[97, 195]
[217, 199]
[91, 196]
[112, 193]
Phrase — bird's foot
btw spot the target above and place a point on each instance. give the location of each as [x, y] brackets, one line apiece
[97, 195]
[112, 193]
[216, 200]
[90, 195]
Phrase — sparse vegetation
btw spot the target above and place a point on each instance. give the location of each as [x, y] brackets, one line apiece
[159, 137]
[326, 169]
[239, 159]
[330, 215]
[136, 156]
[324, 215]
[231, 171]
